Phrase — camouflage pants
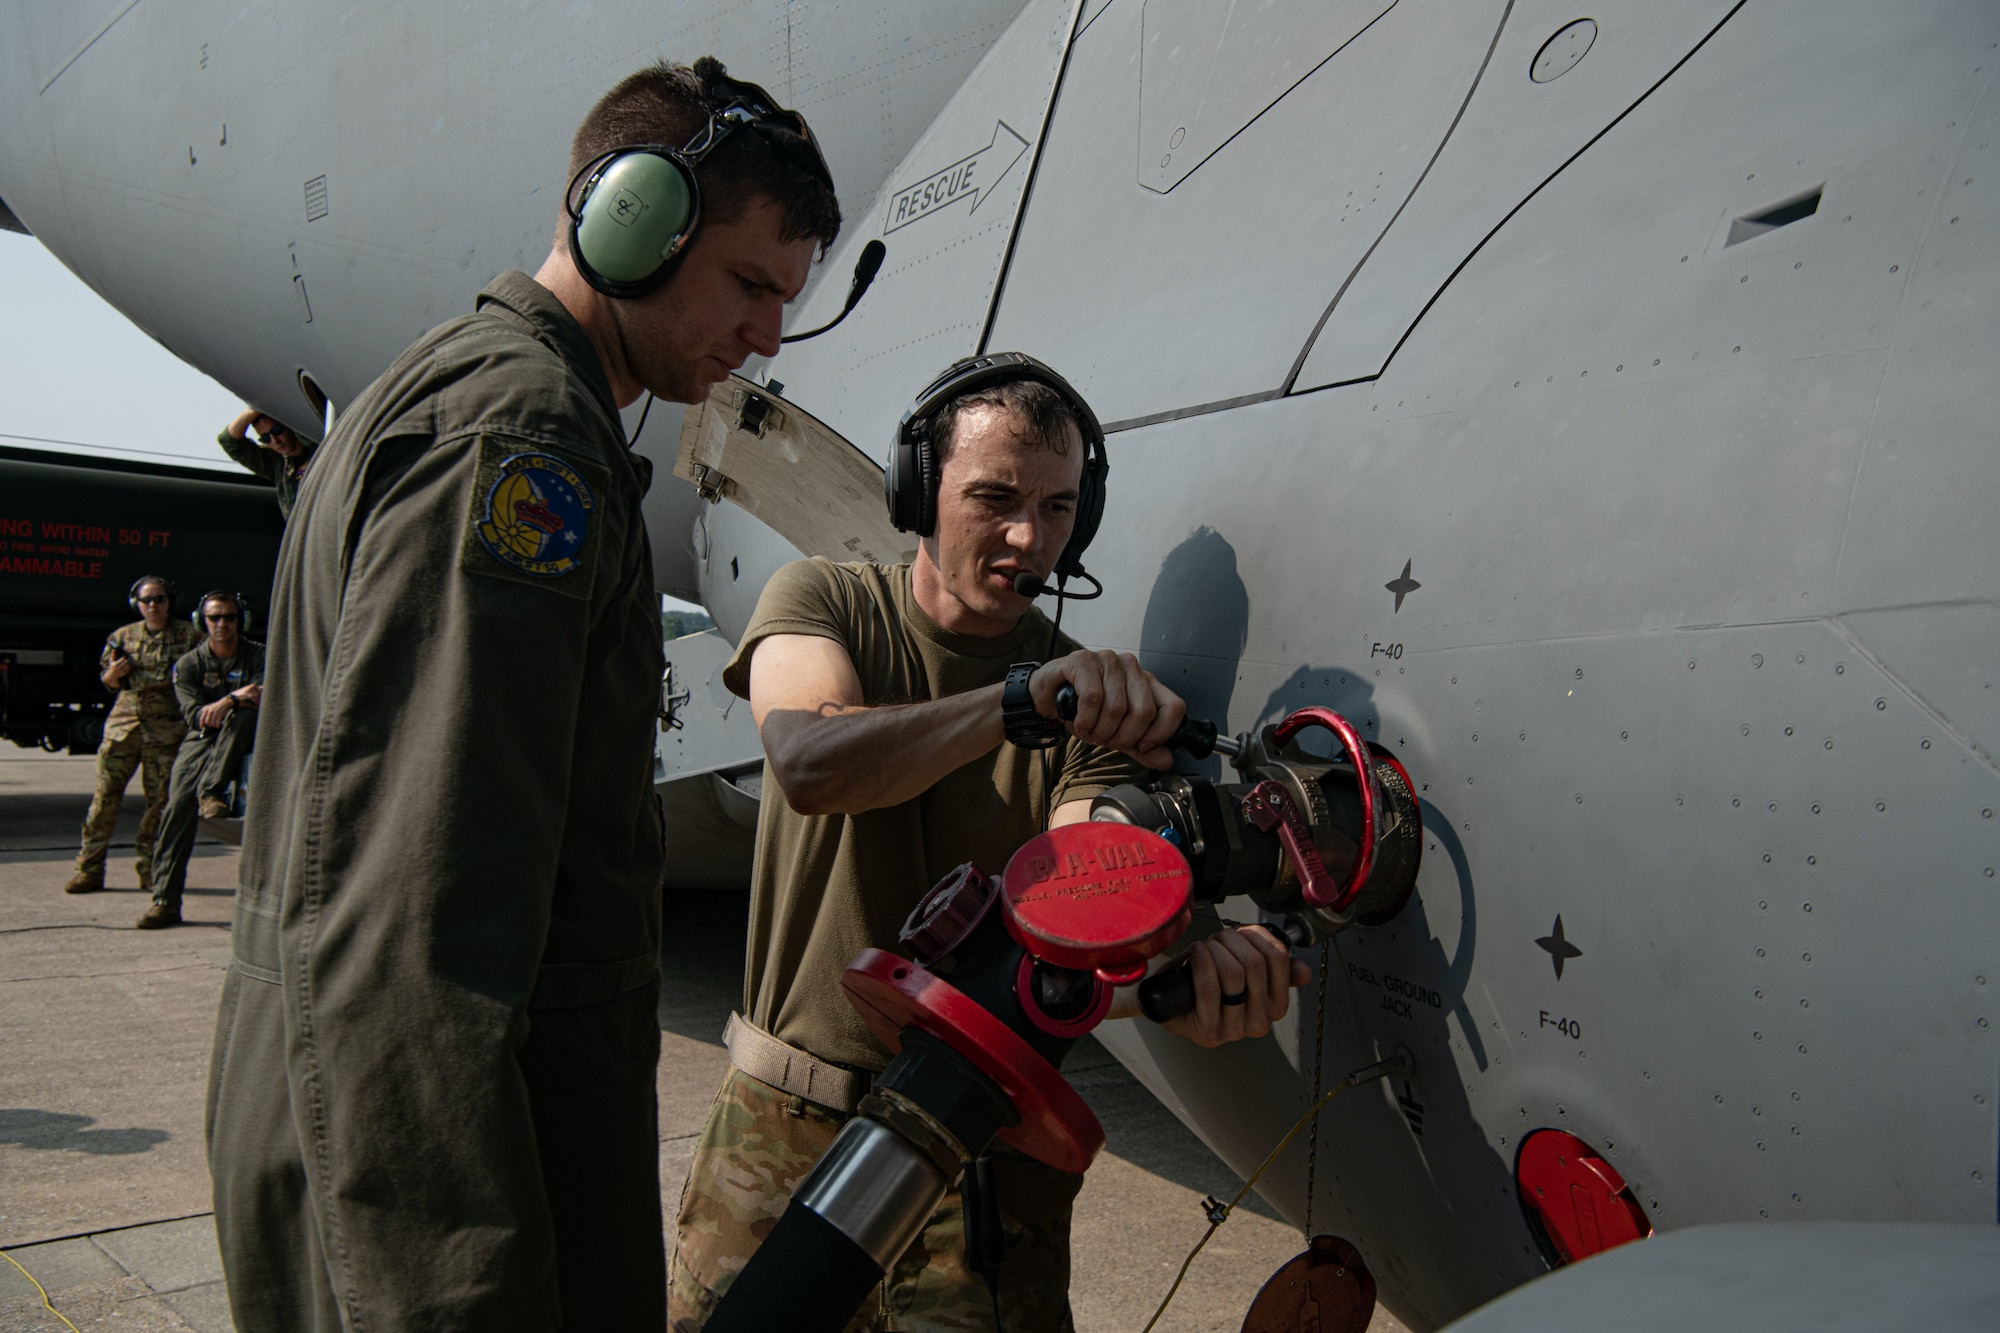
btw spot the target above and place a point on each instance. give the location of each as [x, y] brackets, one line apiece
[117, 760]
[757, 1147]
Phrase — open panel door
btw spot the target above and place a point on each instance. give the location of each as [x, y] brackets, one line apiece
[794, 472]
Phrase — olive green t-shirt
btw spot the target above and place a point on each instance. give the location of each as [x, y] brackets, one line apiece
[826, 887]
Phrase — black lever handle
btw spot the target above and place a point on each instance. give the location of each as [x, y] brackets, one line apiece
[1197, 736]
[1169, 993]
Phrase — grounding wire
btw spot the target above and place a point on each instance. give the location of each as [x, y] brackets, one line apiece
[1218, 1212]
[40, 1291]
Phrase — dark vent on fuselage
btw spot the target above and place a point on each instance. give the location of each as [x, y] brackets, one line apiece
[1796, 209]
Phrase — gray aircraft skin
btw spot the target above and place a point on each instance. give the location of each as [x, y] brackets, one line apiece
[1624, 468]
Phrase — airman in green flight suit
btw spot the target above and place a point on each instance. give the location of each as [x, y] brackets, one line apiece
[432, 1099]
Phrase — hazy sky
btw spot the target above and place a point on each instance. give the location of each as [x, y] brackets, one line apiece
[78, 377]
[73, 369]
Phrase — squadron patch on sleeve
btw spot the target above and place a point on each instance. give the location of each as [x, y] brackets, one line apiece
[534, 518]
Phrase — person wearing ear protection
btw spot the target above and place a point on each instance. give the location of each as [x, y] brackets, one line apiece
[218, 684]
[432, 1098]
[142, 731]
[908, 718]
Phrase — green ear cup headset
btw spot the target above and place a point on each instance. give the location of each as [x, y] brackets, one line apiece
[633, 210]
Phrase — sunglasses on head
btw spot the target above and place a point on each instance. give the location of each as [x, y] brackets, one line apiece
[747, 105]
[740, 106]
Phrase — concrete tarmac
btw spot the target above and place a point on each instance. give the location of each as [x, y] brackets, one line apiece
[104, 1043]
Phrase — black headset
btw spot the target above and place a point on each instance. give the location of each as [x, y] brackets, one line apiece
[132, 595]
[218, 594]
[911, 484]
[633, 210]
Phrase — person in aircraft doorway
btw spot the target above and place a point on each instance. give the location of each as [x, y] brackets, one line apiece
[279, 455]
[432, 1099]
[902, 717]
[143, 730]
[219, 685]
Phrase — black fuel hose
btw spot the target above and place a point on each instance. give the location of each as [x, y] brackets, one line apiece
[871, 1192]
[821, 1278]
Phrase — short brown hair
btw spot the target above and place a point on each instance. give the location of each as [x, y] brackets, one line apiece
[669, 104]
[1039, 411]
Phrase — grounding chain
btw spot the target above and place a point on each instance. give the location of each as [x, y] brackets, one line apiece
[1319, 1052]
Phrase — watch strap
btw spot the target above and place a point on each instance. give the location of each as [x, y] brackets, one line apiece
[1025, 727]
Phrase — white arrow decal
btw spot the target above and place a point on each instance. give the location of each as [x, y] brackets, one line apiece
[971, 178]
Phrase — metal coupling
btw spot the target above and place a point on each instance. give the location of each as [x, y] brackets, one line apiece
[920, 1127]
[875, 1187]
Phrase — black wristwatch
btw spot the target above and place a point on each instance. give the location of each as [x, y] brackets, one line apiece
[1025, 727]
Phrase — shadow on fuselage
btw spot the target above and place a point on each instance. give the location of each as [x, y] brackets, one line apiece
[1197, 622]
[1397, 1166]
[1403, 1163]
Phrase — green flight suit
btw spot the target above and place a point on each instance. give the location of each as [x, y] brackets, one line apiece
[284, 474]
[209, 756]
[141, 734]
[431, 1102]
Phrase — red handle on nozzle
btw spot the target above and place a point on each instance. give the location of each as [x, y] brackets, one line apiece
[1317, 891]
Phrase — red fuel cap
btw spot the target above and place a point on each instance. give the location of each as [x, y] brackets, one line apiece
[1581, 1200]
[1097, 897]
[1328, 1288]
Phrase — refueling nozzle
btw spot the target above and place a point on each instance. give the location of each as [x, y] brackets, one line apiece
[1339, 838]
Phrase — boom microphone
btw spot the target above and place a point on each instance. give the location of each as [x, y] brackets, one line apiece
[865, 269]
[1027, 585]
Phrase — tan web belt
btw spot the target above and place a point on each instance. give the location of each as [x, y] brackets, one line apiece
[789, 1069]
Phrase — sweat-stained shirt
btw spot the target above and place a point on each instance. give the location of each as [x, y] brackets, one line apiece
[826, 887]
[452, 833]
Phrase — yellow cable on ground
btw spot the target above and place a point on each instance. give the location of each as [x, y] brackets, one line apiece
[44, 1294]
[1218, 1213]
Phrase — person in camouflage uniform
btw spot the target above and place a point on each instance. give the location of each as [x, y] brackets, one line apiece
[878, 694]
[143, 731]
